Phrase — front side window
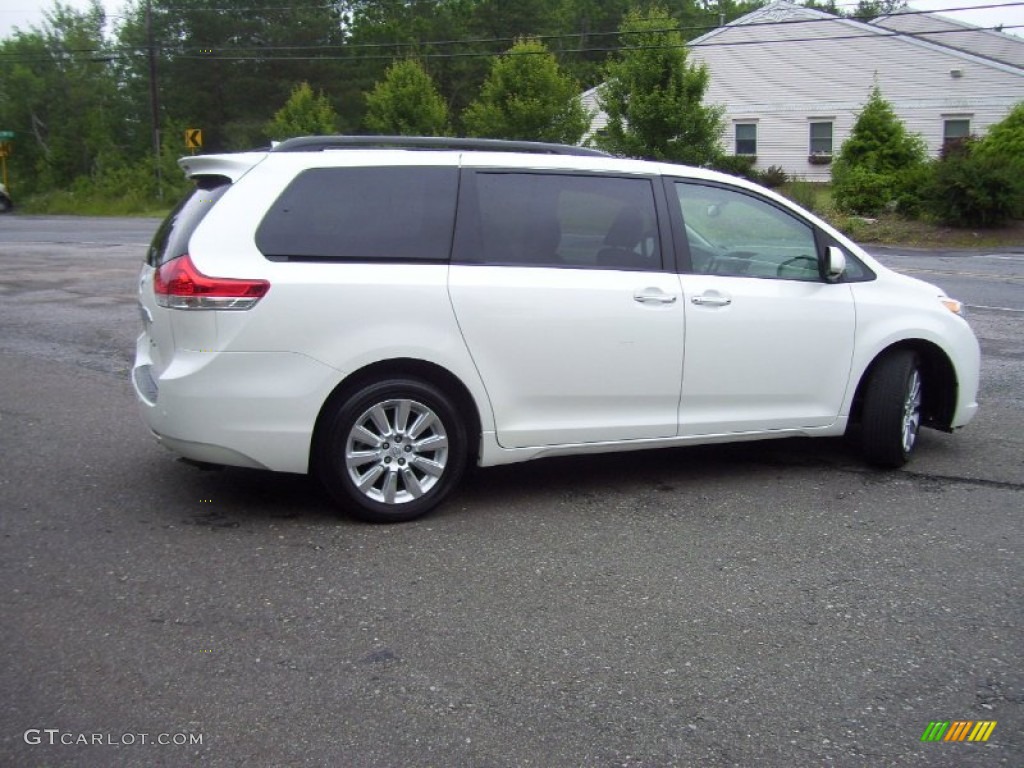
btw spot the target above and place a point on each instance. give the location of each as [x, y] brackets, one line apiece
[733, 233]
[558, 220]
[821, 138]
[746, 138]
[363, 214]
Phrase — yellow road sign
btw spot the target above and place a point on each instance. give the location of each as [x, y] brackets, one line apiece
[193, 138]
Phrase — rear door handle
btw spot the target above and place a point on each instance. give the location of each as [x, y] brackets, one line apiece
[654, 296]
[712, 300]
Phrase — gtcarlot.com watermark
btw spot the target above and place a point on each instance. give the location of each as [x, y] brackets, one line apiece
[57, 737]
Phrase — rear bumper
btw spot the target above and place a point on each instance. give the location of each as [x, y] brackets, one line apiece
[251, 409]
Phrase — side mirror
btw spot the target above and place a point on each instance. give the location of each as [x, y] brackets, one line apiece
[835, 263]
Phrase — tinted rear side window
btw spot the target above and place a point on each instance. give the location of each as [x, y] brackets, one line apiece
[171, 239]
[362, 214]
[560, 220]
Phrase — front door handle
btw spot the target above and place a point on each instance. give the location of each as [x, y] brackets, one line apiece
[712, 300]
[654, 296]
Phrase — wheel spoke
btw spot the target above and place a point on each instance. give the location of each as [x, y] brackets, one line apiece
[362, 435]
[380, 420]
[424, 420]
[366, 482]
[412, 483]
[361, 458]
[431, 467]
[390, 487]
[402, 416]
[432, 443]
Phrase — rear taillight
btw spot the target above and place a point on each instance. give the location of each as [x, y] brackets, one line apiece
[179, 285]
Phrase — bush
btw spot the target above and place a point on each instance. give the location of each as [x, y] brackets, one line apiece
[911, 189]
[1005, 139]
[972, 189]
[858, 189]
[803, 193]
[773, 177]
[736, 165]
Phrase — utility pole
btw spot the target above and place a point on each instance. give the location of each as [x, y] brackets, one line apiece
[154, 100]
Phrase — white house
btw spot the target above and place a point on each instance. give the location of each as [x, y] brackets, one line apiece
[792, 81]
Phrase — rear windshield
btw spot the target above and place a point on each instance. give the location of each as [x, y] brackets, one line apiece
[171, 239]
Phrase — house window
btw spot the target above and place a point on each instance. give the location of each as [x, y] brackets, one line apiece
[746, 138]
[821, 138]
[955, 129]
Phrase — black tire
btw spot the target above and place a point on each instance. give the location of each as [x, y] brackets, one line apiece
[892, 409]
[392, 451]
[5, 204]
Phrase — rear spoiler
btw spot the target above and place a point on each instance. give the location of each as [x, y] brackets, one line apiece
[232, 166]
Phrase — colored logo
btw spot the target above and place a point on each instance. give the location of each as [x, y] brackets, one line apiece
[958, 730]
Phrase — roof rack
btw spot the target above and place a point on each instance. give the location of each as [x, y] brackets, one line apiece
[321, 143]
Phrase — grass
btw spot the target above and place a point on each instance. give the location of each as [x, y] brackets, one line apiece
[890, 229]
[70, 203]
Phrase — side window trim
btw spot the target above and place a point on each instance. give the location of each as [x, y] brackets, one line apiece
[468, 218]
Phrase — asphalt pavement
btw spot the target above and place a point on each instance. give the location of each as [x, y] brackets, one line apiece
[772, 604]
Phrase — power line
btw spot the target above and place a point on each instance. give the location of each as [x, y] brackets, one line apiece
[606, 49]
[225, 54]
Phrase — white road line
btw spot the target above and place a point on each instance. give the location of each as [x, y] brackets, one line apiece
[956, 273]
[993, 309]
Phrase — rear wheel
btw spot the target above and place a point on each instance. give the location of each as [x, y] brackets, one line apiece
[892, 409]
[392, 451]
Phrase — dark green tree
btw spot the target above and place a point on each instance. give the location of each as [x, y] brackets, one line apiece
[440, 32]
[654, 96]
[872, 9]
[58, 94]
[828, 6]
[589, 28]
[220, 66]
[406, 103]
[865, 10]
[526, 96]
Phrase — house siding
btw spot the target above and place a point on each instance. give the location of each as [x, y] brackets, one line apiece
[817, 67]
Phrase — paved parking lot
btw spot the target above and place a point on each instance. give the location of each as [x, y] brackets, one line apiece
[776, 604]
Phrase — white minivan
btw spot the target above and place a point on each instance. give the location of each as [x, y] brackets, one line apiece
[380, 311]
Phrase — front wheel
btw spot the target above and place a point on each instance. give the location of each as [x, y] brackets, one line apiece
[392, 451]
[892, 409]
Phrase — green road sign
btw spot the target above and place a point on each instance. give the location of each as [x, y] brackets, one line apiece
[6, 135]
